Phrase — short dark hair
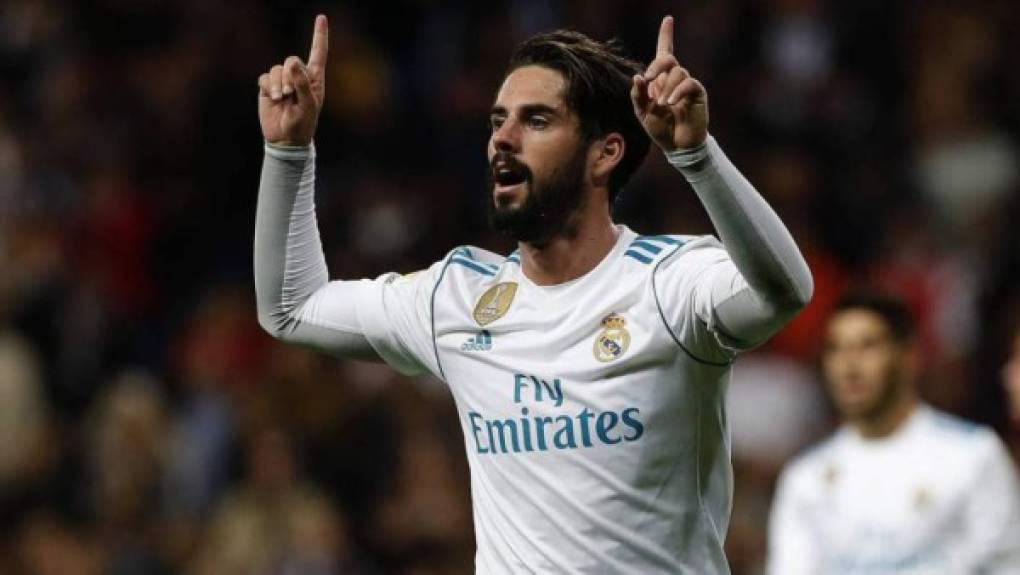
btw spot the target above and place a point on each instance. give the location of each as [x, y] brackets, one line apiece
[891, 309]
[598, 79]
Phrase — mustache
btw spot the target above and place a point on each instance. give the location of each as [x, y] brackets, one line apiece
[506, 160]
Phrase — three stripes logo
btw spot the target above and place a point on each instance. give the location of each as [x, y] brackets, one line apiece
[645, 248]
[481, 341]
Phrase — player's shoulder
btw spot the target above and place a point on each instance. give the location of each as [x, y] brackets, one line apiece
[472, 264]
[647, 248]
[967, 447]
[950, 431]
[462, 263]
[651, 251]
[476, 259]
[815, 461]
[666, 251]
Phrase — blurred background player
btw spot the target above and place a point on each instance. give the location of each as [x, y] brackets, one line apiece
[901, 487]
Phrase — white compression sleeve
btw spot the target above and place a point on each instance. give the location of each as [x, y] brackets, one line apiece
[291, 280]
[778, 280]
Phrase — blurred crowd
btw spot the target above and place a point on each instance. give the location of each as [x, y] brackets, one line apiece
[149, 426]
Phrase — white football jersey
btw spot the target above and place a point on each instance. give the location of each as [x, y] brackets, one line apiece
[940, 496]
[592, 410]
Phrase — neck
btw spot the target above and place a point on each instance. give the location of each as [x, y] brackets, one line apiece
[570, 256]
[887, 421]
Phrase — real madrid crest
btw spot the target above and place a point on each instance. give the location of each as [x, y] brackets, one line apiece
[494, 303]
[923, 499]
[614, 339]
[831, 475]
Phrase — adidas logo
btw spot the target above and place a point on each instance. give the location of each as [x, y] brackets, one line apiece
[482, 341]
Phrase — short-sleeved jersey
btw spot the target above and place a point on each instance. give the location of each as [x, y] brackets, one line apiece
[940, 496]
[592, 411]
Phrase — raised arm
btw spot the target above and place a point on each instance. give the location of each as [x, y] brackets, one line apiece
[296, 301]
[773, 282]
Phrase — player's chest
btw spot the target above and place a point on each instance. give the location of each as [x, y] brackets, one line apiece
[509, 326]
[910, 503]
[506, 338]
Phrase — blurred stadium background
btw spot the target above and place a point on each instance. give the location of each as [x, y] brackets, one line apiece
[149, 426]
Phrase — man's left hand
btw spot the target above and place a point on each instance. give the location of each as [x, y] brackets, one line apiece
[668, 101]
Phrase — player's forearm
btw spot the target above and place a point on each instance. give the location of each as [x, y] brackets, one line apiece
[296, 301]
[289, 263]
[759, 244]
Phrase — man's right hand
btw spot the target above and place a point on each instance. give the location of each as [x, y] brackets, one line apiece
[291, 94]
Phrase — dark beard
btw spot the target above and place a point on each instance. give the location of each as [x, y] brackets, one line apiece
[548, 209]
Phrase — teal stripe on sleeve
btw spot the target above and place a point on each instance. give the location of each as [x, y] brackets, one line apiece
[638, 256]
[663, 239]
[652, 248]
[457, 259]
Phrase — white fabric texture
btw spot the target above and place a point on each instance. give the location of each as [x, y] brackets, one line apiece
[939, 496]
[592, 411]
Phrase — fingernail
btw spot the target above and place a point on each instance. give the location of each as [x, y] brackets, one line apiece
[672, 100]
[287, 90]
[275, 94]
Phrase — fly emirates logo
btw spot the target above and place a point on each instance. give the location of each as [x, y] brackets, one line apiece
[551, 432]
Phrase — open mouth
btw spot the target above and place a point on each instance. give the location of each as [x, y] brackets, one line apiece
[507, 172]
[507, 178]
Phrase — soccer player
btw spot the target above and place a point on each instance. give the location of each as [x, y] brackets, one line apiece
[900, 487]
[589, 366]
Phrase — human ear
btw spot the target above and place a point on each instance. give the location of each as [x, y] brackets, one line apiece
[610, 153]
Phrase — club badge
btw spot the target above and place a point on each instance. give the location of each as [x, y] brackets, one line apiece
[831, 475]
[923, 499]
[494, 303]
[614, 339]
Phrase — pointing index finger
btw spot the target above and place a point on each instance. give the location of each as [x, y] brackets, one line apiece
[665, 44]
[320, 45]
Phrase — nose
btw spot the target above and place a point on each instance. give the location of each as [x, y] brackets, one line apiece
[506, 138]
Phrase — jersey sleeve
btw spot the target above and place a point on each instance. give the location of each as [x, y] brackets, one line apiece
[762, 281]
[396, 317]
[391, 313]
[992, 515]
[791, 547]
[691, 286]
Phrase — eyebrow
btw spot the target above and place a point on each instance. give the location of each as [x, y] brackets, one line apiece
[527, 110]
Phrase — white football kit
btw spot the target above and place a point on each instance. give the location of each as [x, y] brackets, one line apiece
[940, 496]
[592, 411]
